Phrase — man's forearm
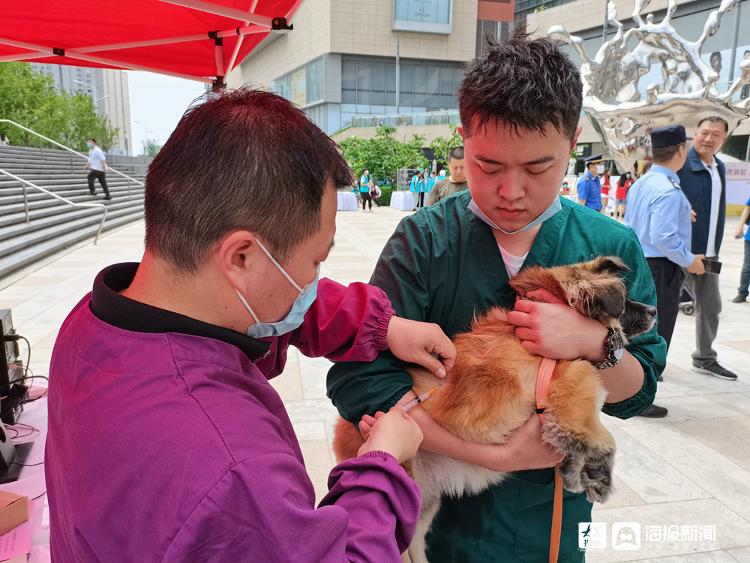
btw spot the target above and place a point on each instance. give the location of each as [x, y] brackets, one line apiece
[623, 380]
[440, 441]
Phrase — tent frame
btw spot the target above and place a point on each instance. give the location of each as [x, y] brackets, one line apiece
[251, 24]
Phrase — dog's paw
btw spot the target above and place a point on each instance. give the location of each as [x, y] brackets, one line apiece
[570, 471]
[596, 475]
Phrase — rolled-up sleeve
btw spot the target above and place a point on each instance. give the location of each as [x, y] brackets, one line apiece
[345, 323]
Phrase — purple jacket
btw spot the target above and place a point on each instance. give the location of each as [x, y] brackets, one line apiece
[171, 445]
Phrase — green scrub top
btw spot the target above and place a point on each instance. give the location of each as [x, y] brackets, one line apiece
[443, 265]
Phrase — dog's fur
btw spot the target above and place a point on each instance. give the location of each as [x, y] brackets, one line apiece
[490, 392]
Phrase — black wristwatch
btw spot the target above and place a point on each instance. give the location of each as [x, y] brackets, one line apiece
[614, 348]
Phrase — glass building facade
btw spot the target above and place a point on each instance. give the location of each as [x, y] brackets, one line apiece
[334, 88]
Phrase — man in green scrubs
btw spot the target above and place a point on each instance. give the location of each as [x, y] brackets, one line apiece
[520, 103]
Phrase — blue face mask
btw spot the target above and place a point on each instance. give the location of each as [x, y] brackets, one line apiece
[553, 209]
[90, 145]
[297, 313]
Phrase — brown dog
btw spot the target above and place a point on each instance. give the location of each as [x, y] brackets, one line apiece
[490, 392]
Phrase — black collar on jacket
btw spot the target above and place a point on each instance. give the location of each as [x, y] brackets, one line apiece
[117, 310]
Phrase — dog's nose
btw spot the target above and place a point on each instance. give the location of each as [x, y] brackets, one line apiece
[651, 311]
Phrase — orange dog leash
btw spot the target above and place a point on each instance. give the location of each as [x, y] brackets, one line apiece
[543, 380]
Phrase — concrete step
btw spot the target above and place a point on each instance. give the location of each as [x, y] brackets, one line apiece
[55, 225]
[55, 213]
[78, 195]
[60, 241]
[35, 234]
[60, 185]
[49, 202]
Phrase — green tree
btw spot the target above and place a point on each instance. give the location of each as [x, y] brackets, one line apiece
[29, 98]
[150, 147]
[383, 155]
[443, 146]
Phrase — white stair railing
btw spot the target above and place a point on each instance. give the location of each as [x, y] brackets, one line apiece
[25, 183]
[73, 151]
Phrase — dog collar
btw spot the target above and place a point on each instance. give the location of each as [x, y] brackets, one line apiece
[543, 380]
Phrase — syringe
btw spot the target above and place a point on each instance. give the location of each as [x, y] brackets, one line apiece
[406, 407]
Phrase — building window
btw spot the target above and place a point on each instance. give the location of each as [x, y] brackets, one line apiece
[490, 30]
[304, 85]
[427, 16]
[368, 86]
[314, 78]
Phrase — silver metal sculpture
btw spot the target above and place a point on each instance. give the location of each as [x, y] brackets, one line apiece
[686, 93]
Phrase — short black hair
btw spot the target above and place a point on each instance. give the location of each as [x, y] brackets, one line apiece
[92, 139]
[246, 159]
[715, 54]
[457, 153]
[522, 82]
[715, 119]
[665, 154]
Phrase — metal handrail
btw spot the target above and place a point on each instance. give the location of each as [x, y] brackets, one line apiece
[73, 151]
[64, 200]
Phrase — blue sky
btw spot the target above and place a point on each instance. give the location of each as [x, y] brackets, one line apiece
[156, 104]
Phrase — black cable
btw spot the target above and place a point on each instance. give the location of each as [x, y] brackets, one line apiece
[26, 395]
[39, 496]
[30, 430]
[28, 355]
[32, 376]
[27, 464]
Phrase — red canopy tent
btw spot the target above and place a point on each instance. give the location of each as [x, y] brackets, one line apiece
[194, 39]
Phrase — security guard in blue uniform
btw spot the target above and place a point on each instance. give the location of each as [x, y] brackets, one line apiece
[659, 213]
[589, 187]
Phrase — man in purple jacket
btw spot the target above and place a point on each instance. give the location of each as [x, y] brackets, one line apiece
[166, 442]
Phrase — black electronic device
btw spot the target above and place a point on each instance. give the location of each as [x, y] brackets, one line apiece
[712, 266]
[12, 388]
[12, 457]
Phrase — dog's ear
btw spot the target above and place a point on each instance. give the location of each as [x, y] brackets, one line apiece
[535, 278]
[610, 265]
[611, 300]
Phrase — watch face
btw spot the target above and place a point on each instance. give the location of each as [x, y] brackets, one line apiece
[618, 353]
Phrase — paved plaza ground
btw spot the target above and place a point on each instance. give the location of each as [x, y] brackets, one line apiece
[690, 471]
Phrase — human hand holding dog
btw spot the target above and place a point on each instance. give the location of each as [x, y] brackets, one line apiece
[523, 450]
[549, 327]
[421, 343]
[394, 432]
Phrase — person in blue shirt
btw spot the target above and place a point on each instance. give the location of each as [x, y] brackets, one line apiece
[418, 186]
[742, 292]
[589, 185]
[659, 213]
[364, 189]
[430, 182]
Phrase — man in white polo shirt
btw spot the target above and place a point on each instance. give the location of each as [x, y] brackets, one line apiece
[97, 167]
